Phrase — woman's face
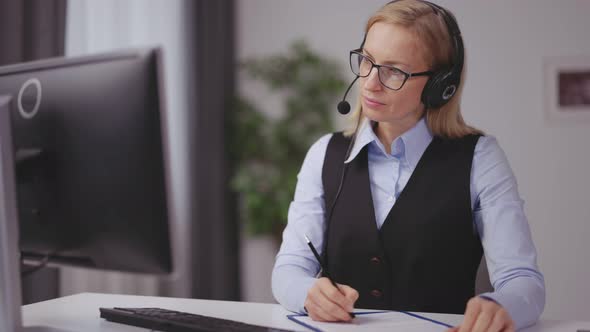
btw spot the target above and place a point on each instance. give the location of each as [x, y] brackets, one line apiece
[389, 44]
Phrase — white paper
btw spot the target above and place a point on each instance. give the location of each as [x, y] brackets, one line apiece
[391, 321]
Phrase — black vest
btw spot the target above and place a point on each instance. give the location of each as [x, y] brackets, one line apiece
[426, 254]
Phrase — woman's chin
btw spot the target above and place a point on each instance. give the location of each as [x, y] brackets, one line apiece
[375, 115]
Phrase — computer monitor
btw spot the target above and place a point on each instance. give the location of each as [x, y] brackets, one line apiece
[10, 296]
[90, 151]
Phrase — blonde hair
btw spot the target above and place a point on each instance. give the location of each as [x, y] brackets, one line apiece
[431, 30]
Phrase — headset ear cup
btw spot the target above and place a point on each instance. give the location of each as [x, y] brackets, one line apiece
[439, 89]
[427, 92]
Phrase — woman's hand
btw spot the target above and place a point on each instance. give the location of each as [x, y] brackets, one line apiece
[483, 315]
[327, 303]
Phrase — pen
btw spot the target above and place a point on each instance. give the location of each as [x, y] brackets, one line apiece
[325, 271]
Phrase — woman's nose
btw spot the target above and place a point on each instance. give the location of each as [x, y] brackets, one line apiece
[372, 81]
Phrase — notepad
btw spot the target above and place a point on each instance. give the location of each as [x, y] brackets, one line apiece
[377, 321]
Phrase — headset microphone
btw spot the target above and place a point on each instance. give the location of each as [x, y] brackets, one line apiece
[344, 106]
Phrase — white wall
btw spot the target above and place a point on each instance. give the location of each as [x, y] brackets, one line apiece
[506, 42]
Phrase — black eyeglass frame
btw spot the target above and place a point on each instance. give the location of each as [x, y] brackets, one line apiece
[407, 75]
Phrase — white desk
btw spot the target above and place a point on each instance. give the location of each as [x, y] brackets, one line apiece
[80, 313]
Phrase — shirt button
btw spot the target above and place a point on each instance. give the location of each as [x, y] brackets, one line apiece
[375, 260]
[376, 293]
[390, 199]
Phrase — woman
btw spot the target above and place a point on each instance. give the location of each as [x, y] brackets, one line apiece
[403, 206]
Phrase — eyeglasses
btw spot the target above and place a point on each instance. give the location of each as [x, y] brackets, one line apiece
[391, 77]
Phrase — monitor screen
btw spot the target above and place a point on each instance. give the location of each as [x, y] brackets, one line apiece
[91, 161]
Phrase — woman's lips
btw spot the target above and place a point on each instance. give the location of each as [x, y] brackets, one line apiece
[372, 102]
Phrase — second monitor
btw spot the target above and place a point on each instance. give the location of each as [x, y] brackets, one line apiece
[91, 161]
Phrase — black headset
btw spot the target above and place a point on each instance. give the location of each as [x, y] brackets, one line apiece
[444, 82]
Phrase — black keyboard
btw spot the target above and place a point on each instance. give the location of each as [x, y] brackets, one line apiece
[175, 321]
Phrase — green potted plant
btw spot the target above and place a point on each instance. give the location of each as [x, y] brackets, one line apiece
[267, 152]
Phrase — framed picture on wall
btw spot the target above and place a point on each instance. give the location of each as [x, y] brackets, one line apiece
[567, 88]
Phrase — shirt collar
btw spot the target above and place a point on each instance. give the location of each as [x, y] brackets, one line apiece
[414, 141]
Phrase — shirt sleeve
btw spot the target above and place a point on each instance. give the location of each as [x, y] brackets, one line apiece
[510, 254]
[295, 268]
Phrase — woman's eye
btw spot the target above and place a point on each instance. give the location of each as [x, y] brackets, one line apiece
[393, 73]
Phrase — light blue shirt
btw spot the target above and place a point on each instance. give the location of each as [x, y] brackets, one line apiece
[498, 215]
